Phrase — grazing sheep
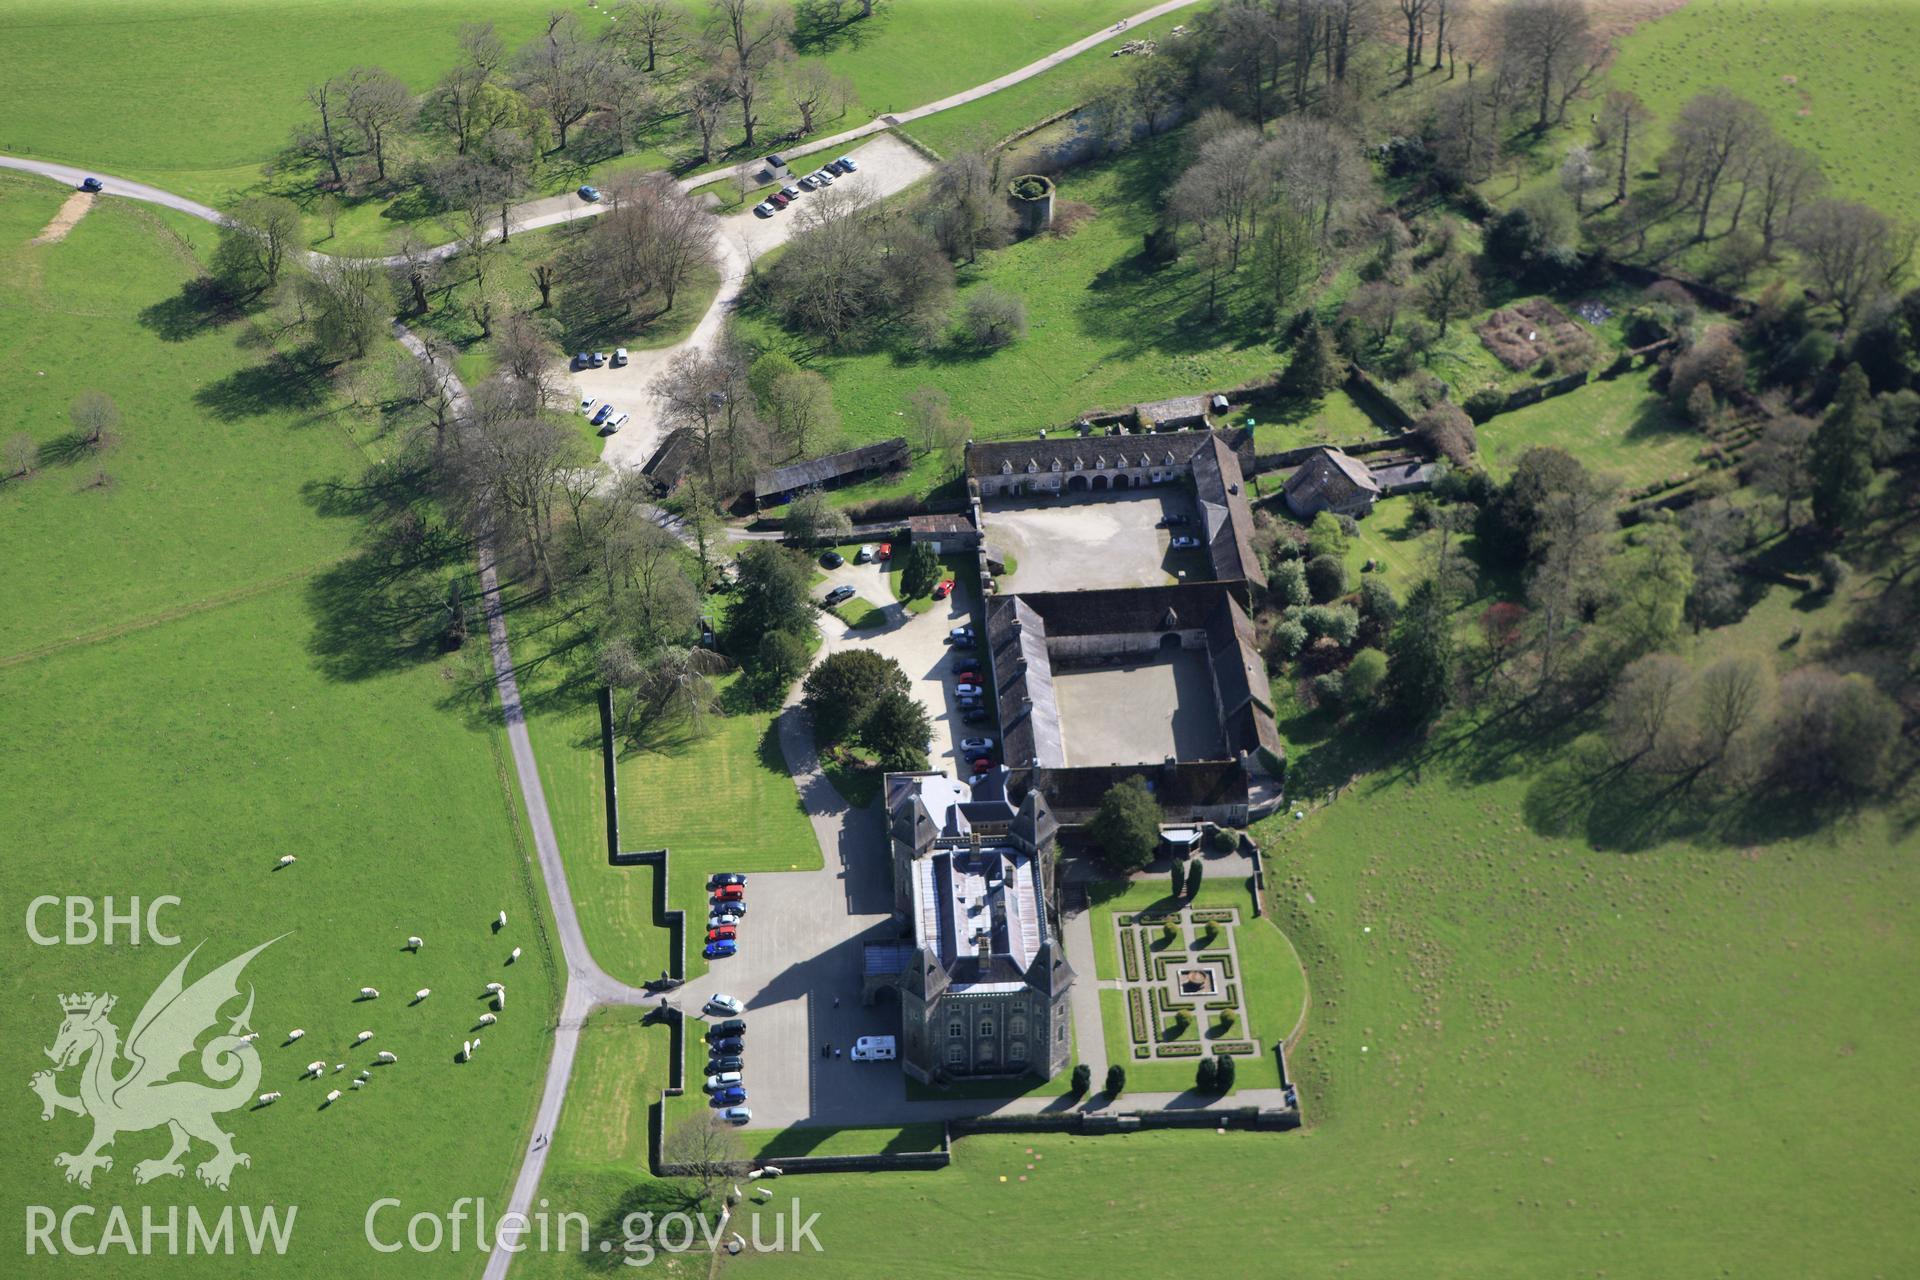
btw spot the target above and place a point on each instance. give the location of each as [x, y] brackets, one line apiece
[294, 1034]
[333, 1096]
[495, 988]
[487, 1019]
[363, 1037]
[475, 1048]
[500, 921]
[499, 1000]
[386, 1056]
[250, 1037]
[422, 994]
[265, 1098]
[513, 955]
[355, 1084]
[414, 944]
[287, 860]
[369, 993]
[315, 1068]
[364, 1076]
[338, 1067]
[466, 1050]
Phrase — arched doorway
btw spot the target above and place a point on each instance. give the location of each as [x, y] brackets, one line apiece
[1099, 483]
[1076, 482]
[1171, 640]
[1121, 482]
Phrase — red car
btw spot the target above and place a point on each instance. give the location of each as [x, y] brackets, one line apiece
[967, 677]
[982, 765]
[730, 893]
[886, 551]
[779, 200]
[944, 590]
[722, 931]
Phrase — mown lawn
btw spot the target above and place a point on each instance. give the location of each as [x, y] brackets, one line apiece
[226, 709]
[1619, 428]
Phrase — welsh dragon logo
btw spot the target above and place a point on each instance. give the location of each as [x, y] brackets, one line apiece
[146, 1094]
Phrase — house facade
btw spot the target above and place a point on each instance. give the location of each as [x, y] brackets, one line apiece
[1330, 480]
[982, 979]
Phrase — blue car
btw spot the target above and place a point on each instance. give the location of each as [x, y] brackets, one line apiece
[720, 949]
[589, 194]
[601, 414]
[731, 1096]
[90, 184]
[847, 165]
[582, 360]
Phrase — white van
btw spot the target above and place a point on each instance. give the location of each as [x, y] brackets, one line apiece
[874, 1049]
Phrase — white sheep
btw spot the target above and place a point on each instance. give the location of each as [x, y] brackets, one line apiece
[495, 988]
[386, 1056]
[414, 944]
[513, 955]
[476, 1047]
[333, 1096]
[422, 994]
[294, 1034]
[315, 1068]
[466, 1050]
[250, 1037]
[363, 1037]
[488, 1019]
[265, 1098]
[500, 921]
[338, 1067]
[355, 1084]
[499, 1000]
[369, 993]
[287, 860]
[364, 1076]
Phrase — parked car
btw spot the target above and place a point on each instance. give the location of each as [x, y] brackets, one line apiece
[587, 193]
[967, 675]
[720, 1002]
[968, 689]
[807, 183]
[90, 184]
[581, 360]
[722, 1080]
[964, 659]
[599, 359]
[839, 594]
[976, 744]
[720, 950]
[719, 878]
[832, 559]
[1168, 522]
[982, 765]
[779, 199]
[1185, 542]
[974, 715]
[614, 423]
[790, 191]
[864, 554]
[847, 165]
[723, 932]
[737, 1115]
[728, 1027]
[725, 1062]
[764, 208]
[943, 589]
[587, 403]
[970, 702]
[735, 906]
[961, 636]
[731, 1096]
[776, 163]
[719, 918]
[601, 414]
[730, 893]
[885, 552]
[619, 357]
[727, 1044]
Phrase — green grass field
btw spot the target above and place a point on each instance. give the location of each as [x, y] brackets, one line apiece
[184, 706]
[1617, 427]
[1831, 77]
[206, 91]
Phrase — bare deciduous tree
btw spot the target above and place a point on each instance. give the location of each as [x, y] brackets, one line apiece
[707, 1151]
[379, 104]
[563, 73]
[95, 418]
[705, 100]
[648, 31]
[19, 456]
[1713, 141]
[751, 36]
[1783, 463]
[509, 467]
[1622, 116]
[343, 297]
[1449, 290]
[817, 93]
[1784, 176]
[1855, 253]
[652, 240]
[1551, 46]
[800, 405]
[964, 211]
[708, 393]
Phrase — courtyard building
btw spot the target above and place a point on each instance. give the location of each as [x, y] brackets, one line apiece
[1330, 480]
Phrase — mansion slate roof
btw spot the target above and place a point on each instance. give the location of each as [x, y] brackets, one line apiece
[1097, 452]
[832, 466]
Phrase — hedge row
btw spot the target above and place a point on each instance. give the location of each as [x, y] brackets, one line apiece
[1137, 1015]
[1235, 1048]
[1230, 1001]
[1217, 915]
[1182, 1049]
[1129, 962]
[1221, 958]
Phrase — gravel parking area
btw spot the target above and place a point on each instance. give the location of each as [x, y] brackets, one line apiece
[1086, 541]
[887, 165]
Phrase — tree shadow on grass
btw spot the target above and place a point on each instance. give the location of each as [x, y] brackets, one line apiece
[653, 1199]
[283, 384]
[1141, 306]
[821, 26]
[200, 307]
[385, 607]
